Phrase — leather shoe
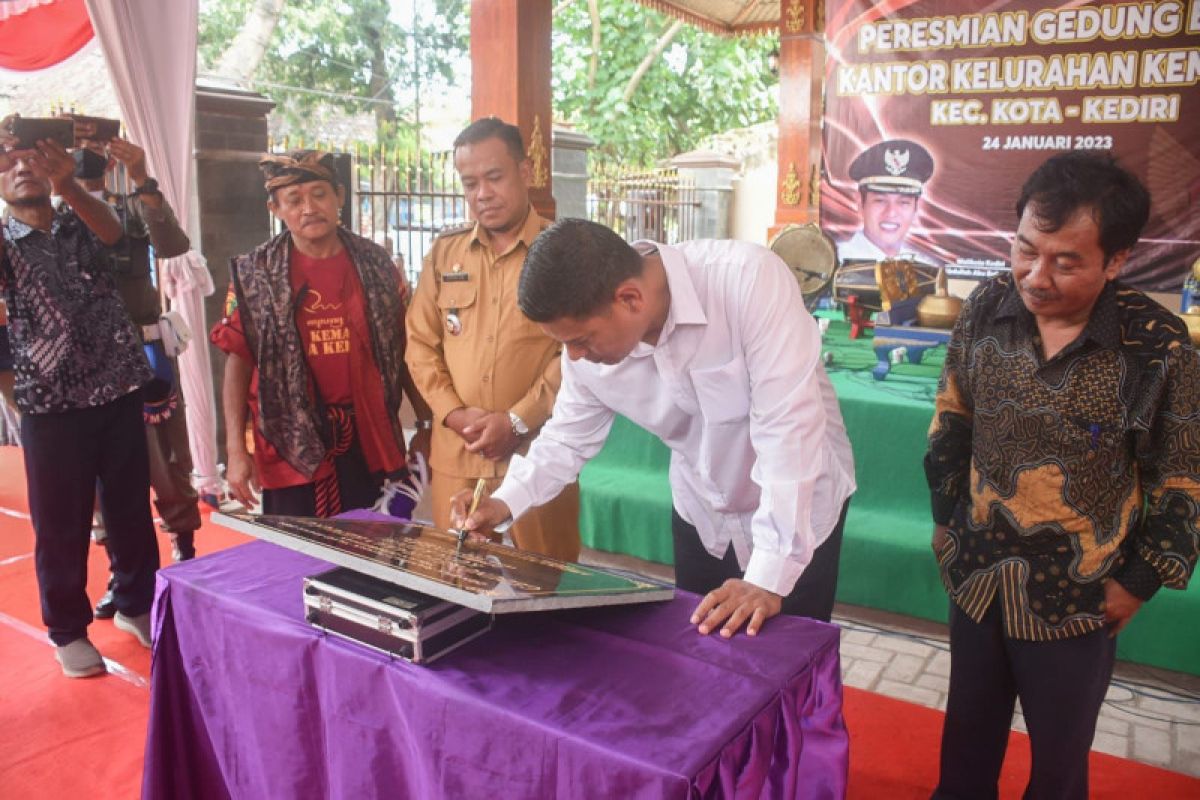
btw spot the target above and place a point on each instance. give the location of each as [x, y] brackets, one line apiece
[107, 607]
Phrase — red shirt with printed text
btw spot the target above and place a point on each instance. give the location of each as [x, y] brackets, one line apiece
[331, 320]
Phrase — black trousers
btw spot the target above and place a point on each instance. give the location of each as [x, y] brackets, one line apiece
[699, 572]
[65, 454]
[1061, 685]
[357, 486]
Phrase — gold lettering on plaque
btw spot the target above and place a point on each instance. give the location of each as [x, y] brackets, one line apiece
[482, 568]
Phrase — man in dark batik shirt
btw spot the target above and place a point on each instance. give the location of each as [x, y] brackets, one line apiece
[1065, 477]
[79, 372]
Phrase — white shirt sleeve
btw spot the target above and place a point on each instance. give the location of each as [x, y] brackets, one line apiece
[577, 429]
[782, 347]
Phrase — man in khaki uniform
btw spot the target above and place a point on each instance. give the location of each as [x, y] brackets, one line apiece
[489, 374]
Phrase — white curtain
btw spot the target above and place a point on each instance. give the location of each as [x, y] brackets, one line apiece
[150, 47]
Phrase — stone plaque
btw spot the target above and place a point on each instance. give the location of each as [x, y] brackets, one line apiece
[493, 578]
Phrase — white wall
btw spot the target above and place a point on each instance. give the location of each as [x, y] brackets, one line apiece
[753, 209]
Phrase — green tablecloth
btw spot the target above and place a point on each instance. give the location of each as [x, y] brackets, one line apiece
[886, 561]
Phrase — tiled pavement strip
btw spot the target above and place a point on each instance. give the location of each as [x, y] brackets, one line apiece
[1150, 715]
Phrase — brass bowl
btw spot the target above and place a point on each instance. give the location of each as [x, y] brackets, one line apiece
[938, 310]
[1192, 319]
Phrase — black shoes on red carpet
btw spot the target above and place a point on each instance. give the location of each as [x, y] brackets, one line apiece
[183, 548]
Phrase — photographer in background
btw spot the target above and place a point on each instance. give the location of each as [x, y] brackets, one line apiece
[147, 221]
[79, 372]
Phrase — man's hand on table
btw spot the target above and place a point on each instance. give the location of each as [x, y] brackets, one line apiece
[734, 604]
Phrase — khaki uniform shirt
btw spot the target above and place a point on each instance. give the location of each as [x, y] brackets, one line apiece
[470, 345]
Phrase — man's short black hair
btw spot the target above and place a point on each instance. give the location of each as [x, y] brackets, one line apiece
[1092, 181]
[493, 128]
[573, 270]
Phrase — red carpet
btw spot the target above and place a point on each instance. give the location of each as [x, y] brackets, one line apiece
[59, 737]
[66, 738]
[894, 755]
[85, 738]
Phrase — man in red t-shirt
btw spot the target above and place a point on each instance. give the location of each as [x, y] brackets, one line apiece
[314, 331]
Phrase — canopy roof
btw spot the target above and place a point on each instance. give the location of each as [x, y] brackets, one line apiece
[728, 17]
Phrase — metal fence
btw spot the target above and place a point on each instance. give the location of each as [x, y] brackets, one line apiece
[400, 200]
[403, 201]
[652, 204]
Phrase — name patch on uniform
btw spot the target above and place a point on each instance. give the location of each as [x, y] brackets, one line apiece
[455, 277]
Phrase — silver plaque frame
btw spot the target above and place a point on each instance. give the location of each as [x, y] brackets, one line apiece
[488, 577]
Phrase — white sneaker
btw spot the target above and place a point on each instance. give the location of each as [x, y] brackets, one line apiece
[139, 626]
[79, 659]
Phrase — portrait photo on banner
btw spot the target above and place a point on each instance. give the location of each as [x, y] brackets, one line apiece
[936, 110]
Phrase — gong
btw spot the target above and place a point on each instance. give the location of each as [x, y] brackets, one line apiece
[811, 256]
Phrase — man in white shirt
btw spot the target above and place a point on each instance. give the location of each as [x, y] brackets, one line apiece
[891, 176]
[707, 345]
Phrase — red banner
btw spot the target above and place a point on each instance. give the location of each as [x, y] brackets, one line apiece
[937, 112]
[35, 34]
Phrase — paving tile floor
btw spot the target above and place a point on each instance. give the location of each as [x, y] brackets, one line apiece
[1149, 715]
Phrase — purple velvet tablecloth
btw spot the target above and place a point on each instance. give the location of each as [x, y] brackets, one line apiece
[249, 701]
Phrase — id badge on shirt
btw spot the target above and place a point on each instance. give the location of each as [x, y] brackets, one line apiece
[453, 317]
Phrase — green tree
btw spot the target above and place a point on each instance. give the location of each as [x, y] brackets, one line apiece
[644, 85]
[641, 106]
[357, 55]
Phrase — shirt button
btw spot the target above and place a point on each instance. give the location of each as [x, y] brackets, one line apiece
[485, 379]
[491, 338]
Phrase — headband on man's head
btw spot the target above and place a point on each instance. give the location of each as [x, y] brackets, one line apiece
[298, 166]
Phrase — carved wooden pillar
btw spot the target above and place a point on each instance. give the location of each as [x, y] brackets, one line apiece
[801, 76]
[510, 79]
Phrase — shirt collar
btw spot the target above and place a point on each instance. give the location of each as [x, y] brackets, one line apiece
[685, 308]
[1104, 324]
[19, 230]
[529, 231]
[1012, 305]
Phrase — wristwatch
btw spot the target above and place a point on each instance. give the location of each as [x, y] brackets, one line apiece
[518, 425]
[149, 186]
[424, 424]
